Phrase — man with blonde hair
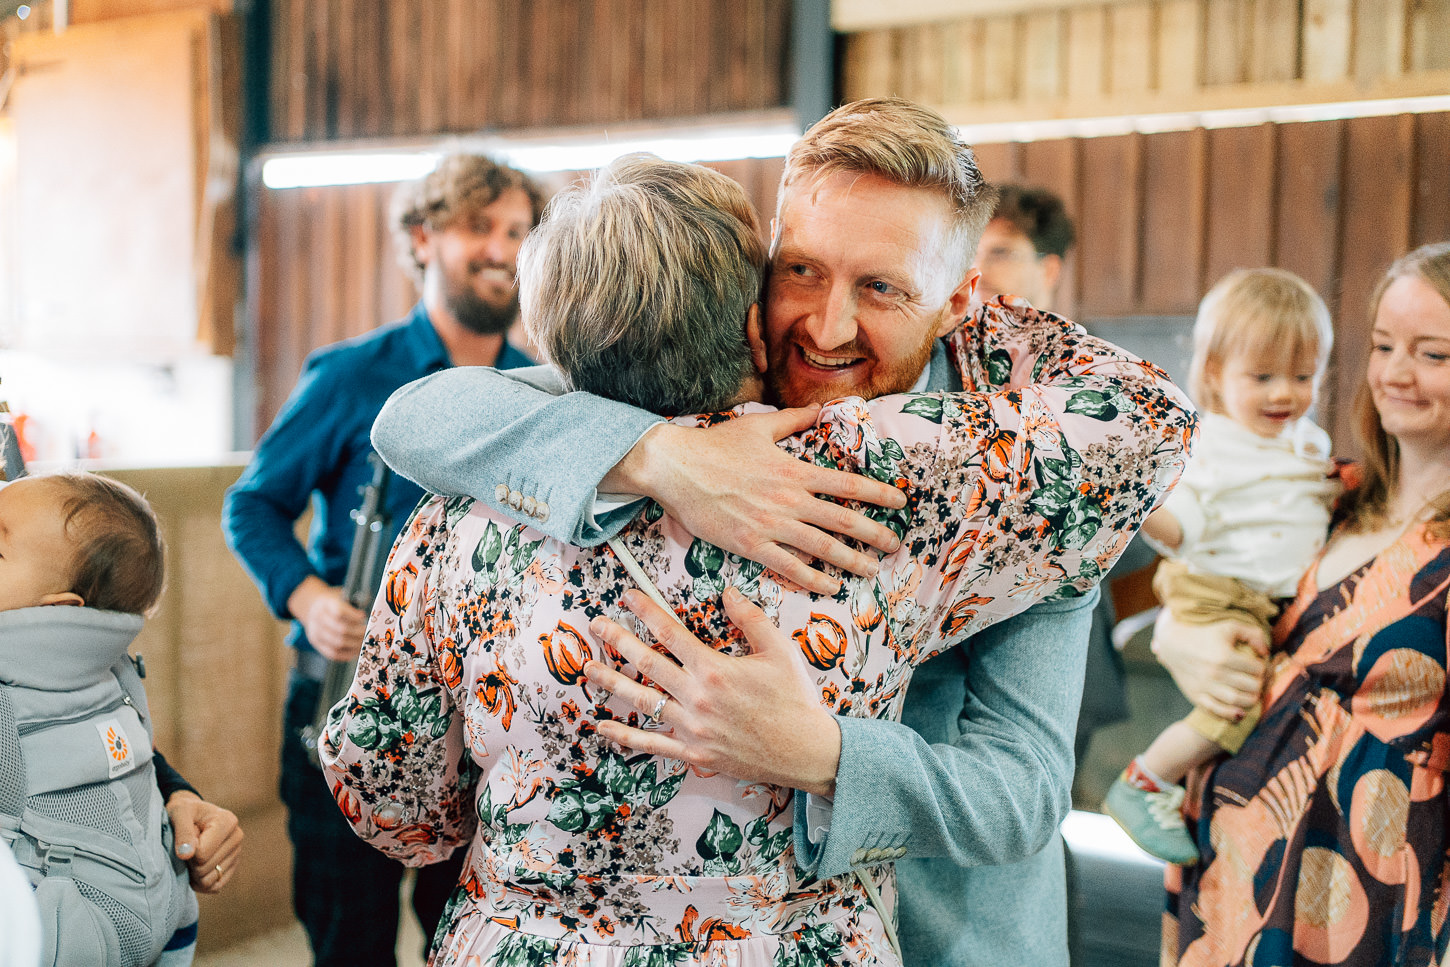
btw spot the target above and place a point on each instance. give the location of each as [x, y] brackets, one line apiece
[869, 280]
[458, 231]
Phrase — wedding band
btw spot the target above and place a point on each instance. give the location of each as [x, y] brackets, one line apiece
[218, 869]
[657, 715]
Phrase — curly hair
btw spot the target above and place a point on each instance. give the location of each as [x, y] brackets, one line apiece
[462, 184]
[1038, 214]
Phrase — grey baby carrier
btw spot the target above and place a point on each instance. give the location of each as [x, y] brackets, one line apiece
[79, 805]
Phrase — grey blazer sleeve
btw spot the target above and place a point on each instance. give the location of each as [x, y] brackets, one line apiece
[511, 441]
[988, 778]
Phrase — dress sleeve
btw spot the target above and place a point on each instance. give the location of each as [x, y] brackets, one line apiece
[1028, 484]
[393, 751]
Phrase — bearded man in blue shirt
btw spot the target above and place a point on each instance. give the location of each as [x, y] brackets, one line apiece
[458, 229]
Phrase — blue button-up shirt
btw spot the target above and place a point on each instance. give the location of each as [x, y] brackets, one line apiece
[316, 450]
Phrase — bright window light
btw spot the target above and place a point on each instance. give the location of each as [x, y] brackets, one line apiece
[1054, 129]
[304, 170]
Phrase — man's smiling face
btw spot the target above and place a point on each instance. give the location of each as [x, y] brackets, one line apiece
[861, 282]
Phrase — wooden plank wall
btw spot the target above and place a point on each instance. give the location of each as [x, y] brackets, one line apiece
[1161, 217]
[326, 269]
[1084, 59]
[364, 69]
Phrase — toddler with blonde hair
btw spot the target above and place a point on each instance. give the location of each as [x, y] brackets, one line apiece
[1246, 520]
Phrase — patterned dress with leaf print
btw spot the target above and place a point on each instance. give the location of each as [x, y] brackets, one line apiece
[469, 721]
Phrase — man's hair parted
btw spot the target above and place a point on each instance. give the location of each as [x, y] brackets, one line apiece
[636, 285]
[905, 143]
[120, 557]
[1038, 214]
[461, 184]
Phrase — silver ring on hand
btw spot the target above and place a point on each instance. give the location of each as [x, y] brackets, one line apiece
[218, 869]
[658, 714]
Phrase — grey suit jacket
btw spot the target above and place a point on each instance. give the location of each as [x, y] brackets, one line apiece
[981, 775]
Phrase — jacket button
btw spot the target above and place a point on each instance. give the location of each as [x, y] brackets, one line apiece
[529, 506]
[541, 511]
[501, 493]
[516, 499]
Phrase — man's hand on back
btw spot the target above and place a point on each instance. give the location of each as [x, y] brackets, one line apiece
[732, 486]
[756, 717]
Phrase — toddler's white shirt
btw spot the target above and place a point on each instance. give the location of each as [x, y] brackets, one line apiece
[1253, 508]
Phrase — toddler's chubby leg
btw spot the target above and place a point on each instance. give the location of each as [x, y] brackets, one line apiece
[1147, 799]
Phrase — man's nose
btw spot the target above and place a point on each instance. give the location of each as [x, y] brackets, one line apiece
[835, 323]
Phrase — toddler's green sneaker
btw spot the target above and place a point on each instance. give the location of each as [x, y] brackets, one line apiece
[1152, 820]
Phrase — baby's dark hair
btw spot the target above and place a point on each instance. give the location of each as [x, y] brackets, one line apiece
[120, 557]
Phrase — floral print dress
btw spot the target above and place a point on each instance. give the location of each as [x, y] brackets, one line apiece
[470, 723]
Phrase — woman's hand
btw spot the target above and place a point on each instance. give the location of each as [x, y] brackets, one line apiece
[757, 717]
[208, 838]
[1218, 667]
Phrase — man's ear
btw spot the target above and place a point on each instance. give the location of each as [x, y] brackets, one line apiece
[755, 338]
[69, 598]
[422, 243]
[1051, 266]
[959, 303]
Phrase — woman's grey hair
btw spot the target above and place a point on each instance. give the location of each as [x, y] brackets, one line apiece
[636, 285]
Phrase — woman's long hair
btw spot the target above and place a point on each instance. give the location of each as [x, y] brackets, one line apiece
[1367, 506]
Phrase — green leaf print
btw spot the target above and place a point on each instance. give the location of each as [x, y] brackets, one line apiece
[487, 551]
[1051, 501]
[644, 778]
[518, 949]
[525, 554]
[720, 838]
[668, 789]
[1091, 402]
[652, 512]
[756, 830]
[815, 946]
[703, 559]
[926, 407]
[364, 729]
[658, 955]
[999, 367]
[567, 811]
[614, 776]
[1083, 521]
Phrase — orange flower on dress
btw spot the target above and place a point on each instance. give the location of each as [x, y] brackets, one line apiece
[822, 641]
[565, 652]
[400, 588]
[495, 692]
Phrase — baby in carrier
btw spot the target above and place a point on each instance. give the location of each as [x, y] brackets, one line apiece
[79, 803]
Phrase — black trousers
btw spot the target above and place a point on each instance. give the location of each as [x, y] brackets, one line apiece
[344, 891]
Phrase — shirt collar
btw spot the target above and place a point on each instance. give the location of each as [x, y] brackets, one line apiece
[423, 342]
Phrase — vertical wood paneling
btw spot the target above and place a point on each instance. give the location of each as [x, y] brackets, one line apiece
[1180, 45]
[1108, 223]
[1431, 209]
[1087, 31]
[1042, 39]
[1228, 41]
[926, 71]
[1377, 199]
[1174, 167]
[1131, 31]
[1240, 200]
[1379, 38]
[1275, 37]
[1053, 165]
[1001, 47]
[1328, 35]
[962, 79]
[1429, 28]
[1306, 230]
